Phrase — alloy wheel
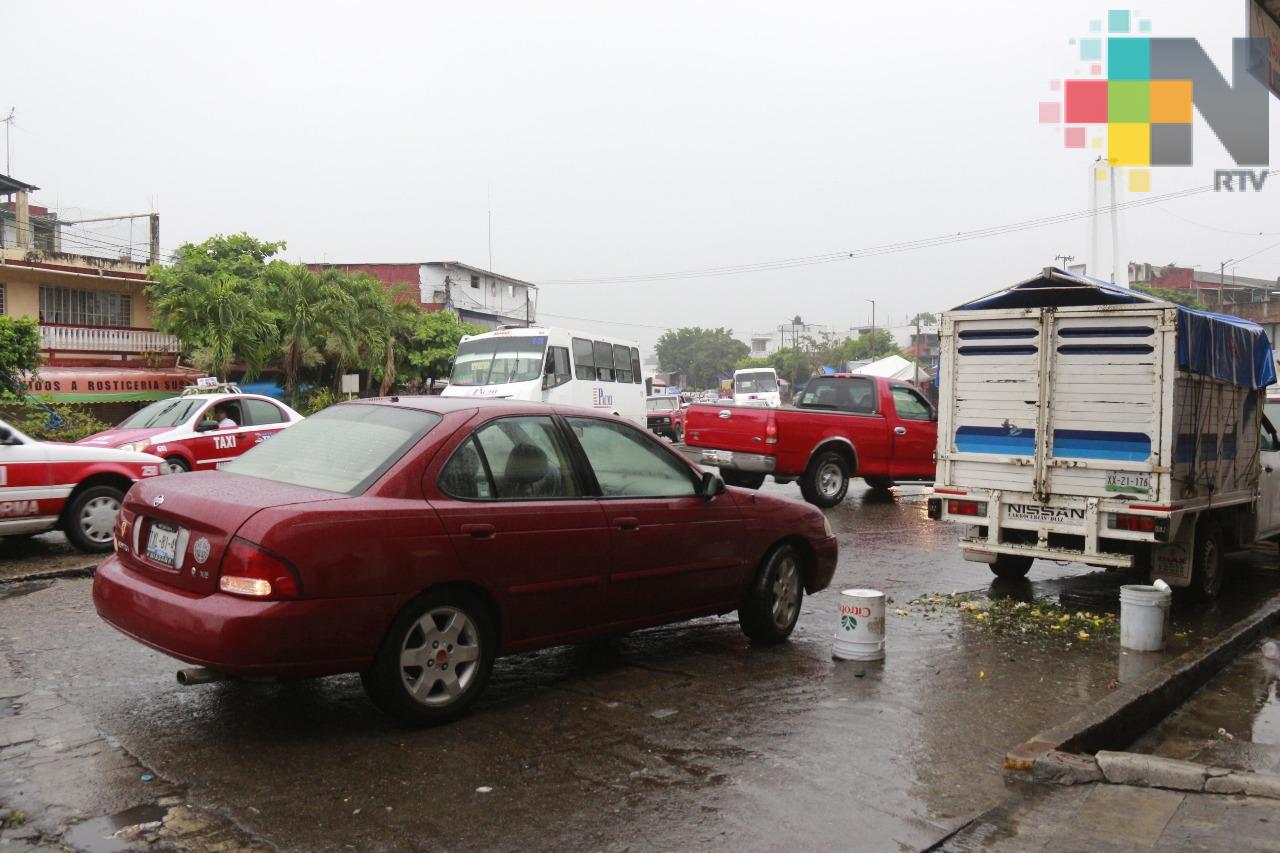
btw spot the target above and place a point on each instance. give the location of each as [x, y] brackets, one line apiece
[786, 591]
[440, 656]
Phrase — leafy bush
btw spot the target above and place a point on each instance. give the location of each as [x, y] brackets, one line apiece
[58, 422]
[317, 399]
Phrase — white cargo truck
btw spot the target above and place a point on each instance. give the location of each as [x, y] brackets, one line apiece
[1084, 422]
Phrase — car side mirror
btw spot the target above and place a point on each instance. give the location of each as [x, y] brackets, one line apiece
[206, 426]
[6, 436]
[711, 485]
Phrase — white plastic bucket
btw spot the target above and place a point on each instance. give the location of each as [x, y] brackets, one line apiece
[860, 631]
[1144, 612]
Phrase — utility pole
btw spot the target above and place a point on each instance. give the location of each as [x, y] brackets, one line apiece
[1093, 220]
[873, 327]
[8, 150]
[915, 370]
[154, 254]
[1115, 228]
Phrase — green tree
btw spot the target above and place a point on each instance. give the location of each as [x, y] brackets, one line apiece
[873, 345]
[792, 365]
[924, 318]
[1186, 298]
[703, 355]
[19, 354]
[211, 299]
[746, 363]
[433, 342]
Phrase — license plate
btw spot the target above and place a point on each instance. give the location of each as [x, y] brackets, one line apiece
[162, 544]
[717, 457]
[1129, 482]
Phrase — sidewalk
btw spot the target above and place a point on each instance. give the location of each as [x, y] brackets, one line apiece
[1102, 817]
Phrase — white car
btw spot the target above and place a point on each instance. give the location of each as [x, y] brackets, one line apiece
[47, 484]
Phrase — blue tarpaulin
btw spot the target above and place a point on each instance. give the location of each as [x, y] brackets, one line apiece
[1227, 348]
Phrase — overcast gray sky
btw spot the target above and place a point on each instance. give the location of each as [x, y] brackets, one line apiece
[611, 139]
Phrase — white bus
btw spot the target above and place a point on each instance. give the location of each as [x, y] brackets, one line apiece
[756, 386]
[551, 366]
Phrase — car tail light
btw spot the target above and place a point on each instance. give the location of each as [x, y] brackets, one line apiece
[771, 431]
[249, 571]
[1135, 523]
[966, 507]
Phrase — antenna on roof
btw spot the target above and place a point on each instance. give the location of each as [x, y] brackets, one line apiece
[8, 151]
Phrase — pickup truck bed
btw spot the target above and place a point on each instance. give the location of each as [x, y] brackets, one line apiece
[842, 426]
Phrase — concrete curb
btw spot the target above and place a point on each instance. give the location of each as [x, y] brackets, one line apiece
[1153, 771]
[55, 574]
[1118, 719]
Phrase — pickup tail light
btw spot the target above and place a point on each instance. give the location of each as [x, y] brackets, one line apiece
[251, 572]
[975, 508]
[771, 431]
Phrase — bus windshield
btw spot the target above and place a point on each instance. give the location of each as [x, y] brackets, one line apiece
[755, 383]
[498, 361]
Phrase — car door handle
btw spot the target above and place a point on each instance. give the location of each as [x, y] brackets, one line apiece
[479, 531]
[627, 523]
[899, 430]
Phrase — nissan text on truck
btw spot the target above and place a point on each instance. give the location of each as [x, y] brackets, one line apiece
[1080, 421]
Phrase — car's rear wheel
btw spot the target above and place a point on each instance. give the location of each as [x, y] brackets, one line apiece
[176, 465]
[826, 480]
[1011, 566]
[435, 660]
[879, 482]
[677, 435]
[772, 606]
[91, 518]
[741, 479]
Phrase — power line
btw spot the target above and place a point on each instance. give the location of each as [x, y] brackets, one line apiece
[883, 249]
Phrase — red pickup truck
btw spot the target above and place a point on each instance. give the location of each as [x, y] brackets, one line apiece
[842, 426]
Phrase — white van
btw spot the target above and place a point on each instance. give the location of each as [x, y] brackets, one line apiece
[756, 386]
[548, 365]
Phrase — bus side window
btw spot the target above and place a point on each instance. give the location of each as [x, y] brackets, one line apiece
[622, 363]
[635, 366]
[604, 362]
[557, 369]
[583, 360]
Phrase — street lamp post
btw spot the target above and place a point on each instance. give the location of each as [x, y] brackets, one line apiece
[873, 327]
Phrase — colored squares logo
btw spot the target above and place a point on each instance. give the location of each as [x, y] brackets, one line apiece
[1129, 144]
[1171, 101]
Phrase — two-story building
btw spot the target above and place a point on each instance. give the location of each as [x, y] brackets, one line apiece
[97, 341]
[478, 296]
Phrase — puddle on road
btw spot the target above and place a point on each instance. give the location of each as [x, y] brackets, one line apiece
[113, 833]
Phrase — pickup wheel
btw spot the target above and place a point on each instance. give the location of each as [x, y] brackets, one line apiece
[1011, 566]
[826, 480]
[742, 479]
[772, 607]
[879, 482]
[1206, 562]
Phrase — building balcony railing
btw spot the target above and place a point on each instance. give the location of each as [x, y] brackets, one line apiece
[58, 338]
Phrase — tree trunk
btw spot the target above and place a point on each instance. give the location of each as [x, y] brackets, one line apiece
[389, 370]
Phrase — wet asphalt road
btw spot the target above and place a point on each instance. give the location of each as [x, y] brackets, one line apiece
[662, 739]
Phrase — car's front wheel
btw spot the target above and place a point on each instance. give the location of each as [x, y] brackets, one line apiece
[91, 519]
[773, 603]
[435, 660]
[176, 465]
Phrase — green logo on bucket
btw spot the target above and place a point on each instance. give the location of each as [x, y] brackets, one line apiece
[848, 622]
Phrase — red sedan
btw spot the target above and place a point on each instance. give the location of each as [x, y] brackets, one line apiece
[415, 539]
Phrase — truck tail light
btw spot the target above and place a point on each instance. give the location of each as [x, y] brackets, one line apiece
[771, 431]
[975, 508]
[1134, 523]
[249, 571]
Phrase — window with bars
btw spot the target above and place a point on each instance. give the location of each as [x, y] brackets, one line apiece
[84, 307]
[4, 304]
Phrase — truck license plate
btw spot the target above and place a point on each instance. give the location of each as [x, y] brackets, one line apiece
[717, 457]
[1129, 482]
[162, 544]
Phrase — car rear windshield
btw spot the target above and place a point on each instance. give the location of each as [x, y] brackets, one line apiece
[498, 361]
[341, 449]
[163, 413]
[755, 383]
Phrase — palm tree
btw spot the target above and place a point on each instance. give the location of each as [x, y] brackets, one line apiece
[300, 301]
